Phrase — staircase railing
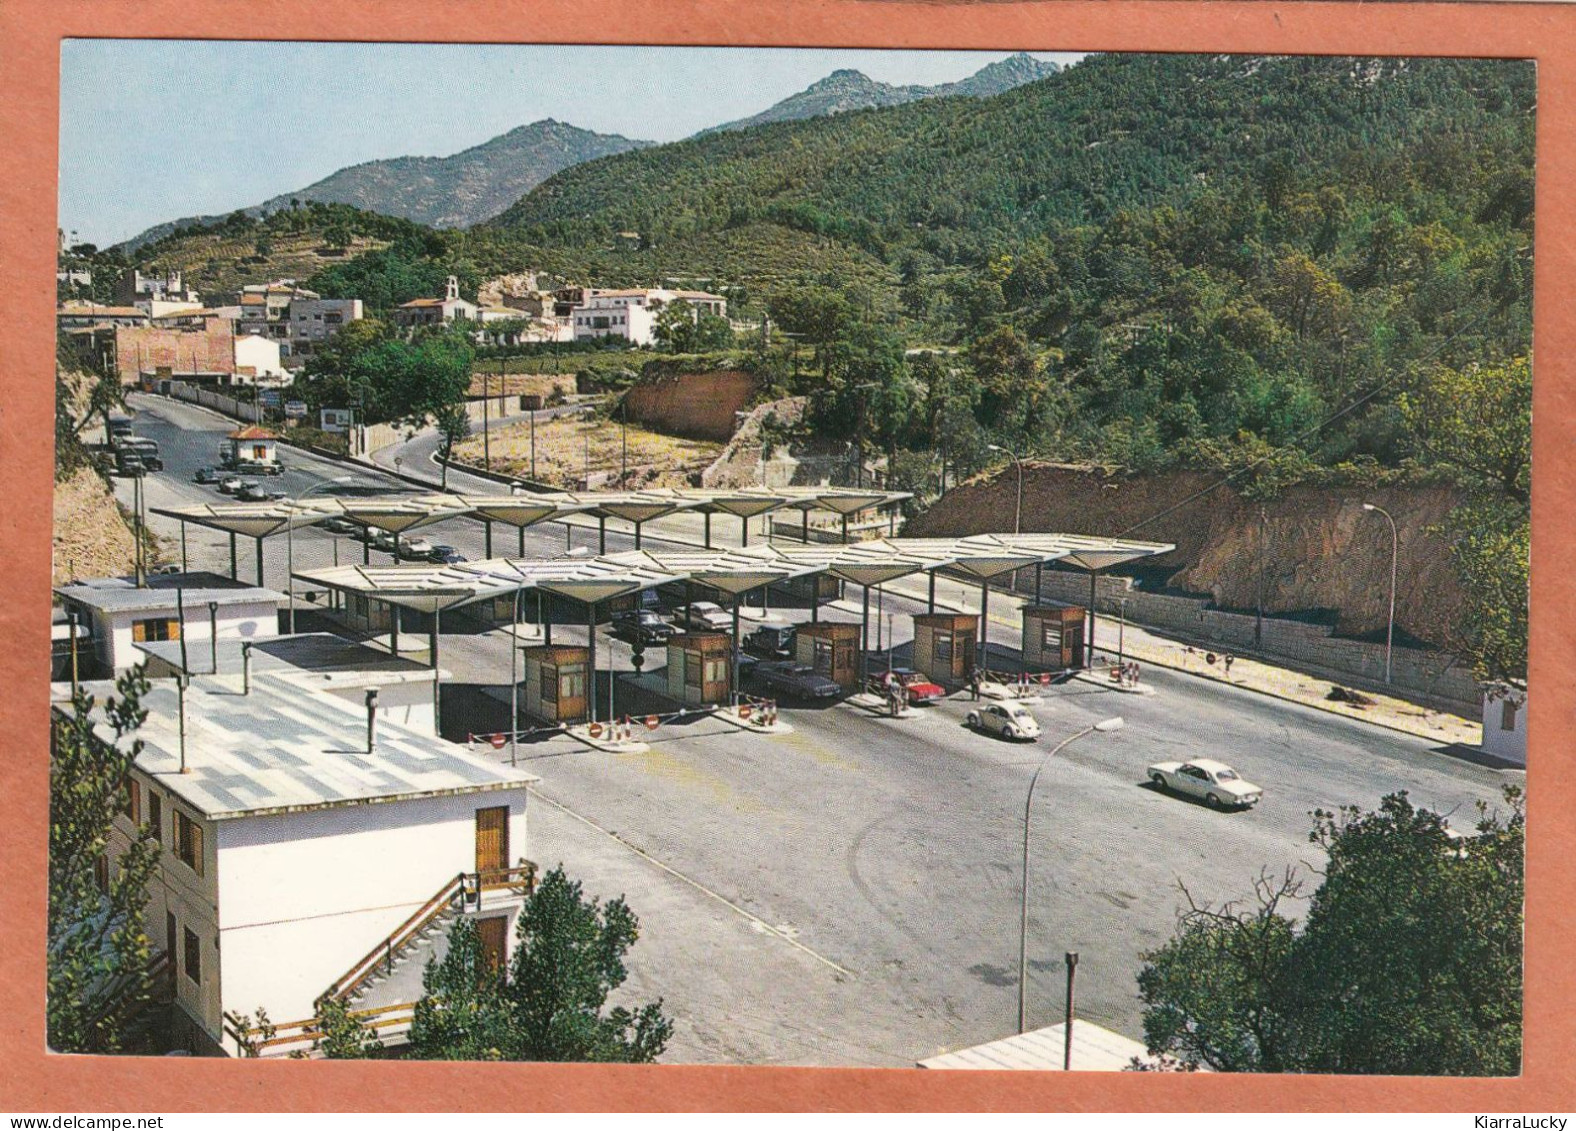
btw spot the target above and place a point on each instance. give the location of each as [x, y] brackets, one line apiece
[463, 890]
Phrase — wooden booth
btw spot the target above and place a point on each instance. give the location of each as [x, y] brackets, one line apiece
[556, 679]
[832, 649]
[700, 668]
[1053, 637]
[944, 646]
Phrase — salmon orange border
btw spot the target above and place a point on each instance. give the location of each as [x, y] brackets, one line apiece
[30, 34]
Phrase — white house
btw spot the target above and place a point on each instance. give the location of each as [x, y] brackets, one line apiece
[307, 851]
[120, 616]
[1505, 722]
[632, 314]
[435, 311]
[257, 362]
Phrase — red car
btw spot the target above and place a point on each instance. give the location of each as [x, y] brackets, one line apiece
[921, 691]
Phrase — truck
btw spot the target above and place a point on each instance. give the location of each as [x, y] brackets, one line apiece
[147, 450]
[119, 426]
[128, 462]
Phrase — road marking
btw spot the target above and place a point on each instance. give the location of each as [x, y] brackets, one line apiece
[760, 924]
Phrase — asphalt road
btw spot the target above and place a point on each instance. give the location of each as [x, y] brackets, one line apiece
[849, 893]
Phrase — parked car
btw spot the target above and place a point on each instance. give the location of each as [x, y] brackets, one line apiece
[641, 626]
[206, 475]
[441, 552]
[415, 549]
[921, 690]
[251, 491]
[704, 616]
[339, 524]
[229, 485]
[1215, 783]
[772, 641]
[1009, 720]
[380, 539]
[450, 558]
[169, 569]
[260, 466]
[796, 681]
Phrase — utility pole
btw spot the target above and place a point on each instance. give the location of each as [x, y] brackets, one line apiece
[1258, 622]
[486, 437]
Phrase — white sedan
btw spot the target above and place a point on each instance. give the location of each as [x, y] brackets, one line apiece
[1010, 720]
[1214, 783]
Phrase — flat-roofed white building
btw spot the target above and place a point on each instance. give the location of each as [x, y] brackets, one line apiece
[632, 314]
[119, 616]
[311, 847]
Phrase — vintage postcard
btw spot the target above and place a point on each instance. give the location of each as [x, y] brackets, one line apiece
[931, 559]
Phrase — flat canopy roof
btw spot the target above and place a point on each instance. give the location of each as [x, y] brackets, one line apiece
[397, 513]
[281, 749]
[733, 570]
[1095, 1049]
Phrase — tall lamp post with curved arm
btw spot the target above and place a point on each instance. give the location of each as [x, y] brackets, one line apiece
[1104, 726]
[1017, 514]
[1395, 552]
[290, 540]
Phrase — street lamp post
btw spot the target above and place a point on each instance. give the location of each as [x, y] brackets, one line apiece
[290, 541]
[1104, 726]
[1395, 550]
[1017, 514]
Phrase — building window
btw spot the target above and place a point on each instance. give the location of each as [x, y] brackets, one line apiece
[571, 682]
[717, 671]
[1507, 715]
[188, 842]
[156, 815]
[155, 628]
[132, 805]
[192, 958]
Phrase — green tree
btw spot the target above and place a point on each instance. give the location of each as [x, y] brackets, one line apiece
[1409, 961]
[454, 424]
[1477, 422]
[550, 1004]
[340, 1036]
[97, 965]
[1490, 549]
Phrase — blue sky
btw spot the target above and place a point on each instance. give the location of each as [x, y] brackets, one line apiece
[154, 130]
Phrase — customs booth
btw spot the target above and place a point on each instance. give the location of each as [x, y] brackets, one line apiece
[944, 646]
[832, 649]
[555, 682]
[700, 668]
[1053, 637]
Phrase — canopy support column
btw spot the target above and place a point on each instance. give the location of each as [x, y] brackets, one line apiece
[864, 640]
[845, 529]
[707, 517]
[804, 526]
[744, 530]
[984, 622]
[1039, 577]
[233, 576]
[591, 662]
[1089, 644]
[521, 531]
[601, 524]
[544, 613]
[366, 546]
[259, 562]
[637, 535]
[931, 601]
[394, 628]
[437, 697]
[183, 546]
[733, 678]
[487, 537]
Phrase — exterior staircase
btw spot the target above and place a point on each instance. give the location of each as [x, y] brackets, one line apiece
[384, 985]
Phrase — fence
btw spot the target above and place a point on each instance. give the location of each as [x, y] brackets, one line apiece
[1432, 676]
[208, 398]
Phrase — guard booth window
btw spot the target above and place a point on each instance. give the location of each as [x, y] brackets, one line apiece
[822, 661]
[1507, 715]
[716, 671]
[572, 681]
[1051, 636]
[943, 648]
[155, 628]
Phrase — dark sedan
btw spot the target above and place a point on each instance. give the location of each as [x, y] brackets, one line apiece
[771, 641]
[641, 626]
[796, 681]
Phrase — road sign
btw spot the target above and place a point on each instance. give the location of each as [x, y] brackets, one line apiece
[295, 408]
[744, 710]
[497, 741]
[1045, 679]
[651, 722]
[594, 730]
[270, 397]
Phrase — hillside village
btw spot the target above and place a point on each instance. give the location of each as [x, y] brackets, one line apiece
[738, 494]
